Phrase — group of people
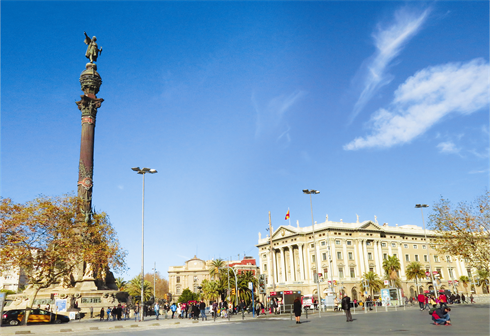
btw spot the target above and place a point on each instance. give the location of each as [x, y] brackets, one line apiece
[189, 310]
[427, 300]
[116, 312]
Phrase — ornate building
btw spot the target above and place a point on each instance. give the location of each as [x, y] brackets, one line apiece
[355, 248]
[196, 270]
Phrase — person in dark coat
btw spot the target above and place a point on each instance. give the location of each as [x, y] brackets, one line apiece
[297, 310]
[102, 314]
[346, 307]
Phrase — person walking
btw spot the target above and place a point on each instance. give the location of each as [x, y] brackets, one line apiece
[173, 308]
[156, 307]
[137, 313]
[421, 300]
[91, 312]
[463, 298]
[346, 307]
[109, 310]
[101, 314]
[202, 307]
[471, 298]
[297, 310]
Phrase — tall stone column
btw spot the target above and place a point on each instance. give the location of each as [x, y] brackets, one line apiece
[333, 253]
[376, 259]
[90, 82]
[291, 264]
[283, 265]
[402, 260]
[301, 262]
[362, 256]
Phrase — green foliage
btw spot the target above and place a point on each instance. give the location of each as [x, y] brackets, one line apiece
[415, 271]
[214, 268]
[134, 288]
[187, 296]
[391, 266]
[120, 283]
[375, 283]
[8, 291]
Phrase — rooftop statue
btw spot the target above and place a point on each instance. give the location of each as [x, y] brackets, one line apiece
[93, 50]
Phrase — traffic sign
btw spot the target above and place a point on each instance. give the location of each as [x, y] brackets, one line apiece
[273, 293]
[427, 273]
[250, 285]
[288, 292]
[387, 282]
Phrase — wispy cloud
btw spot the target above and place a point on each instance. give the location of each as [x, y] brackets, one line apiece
[271, 119]
[426, 98]
[389, 42]
[479, 171]
[447, 147]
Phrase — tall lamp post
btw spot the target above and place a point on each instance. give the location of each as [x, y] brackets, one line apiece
[143, 172]
[421, 207]
[315, 192]
[154, 269]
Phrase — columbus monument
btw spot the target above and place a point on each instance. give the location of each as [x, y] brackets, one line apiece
[84, 288]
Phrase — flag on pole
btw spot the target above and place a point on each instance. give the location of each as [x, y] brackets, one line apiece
[287, 215]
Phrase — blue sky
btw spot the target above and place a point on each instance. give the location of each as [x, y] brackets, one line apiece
[240, 106]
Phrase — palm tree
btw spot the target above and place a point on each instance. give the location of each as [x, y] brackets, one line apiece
[214, 268]
[120, 283]
[415, 271]
[210, 290]
[134, 288]
[391, 266]
[244, 293]
[483, 274]
[465, 281]
[375, 283]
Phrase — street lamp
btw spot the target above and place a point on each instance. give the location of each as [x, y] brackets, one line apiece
[315, 192]
[421, 207]
[154, 269]
[143, 172]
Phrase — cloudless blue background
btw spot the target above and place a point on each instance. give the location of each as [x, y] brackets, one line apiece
[239, 106]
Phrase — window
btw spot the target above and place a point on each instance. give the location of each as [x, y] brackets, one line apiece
[323, 243]
[385, 256]
[351, 256]
[265, 267]
[383, 244]
[448, 258]
[325, 272]
[368, 243]
[425, 258]
[439, 271]
[436, 258]
[405, 245]
[349, 242]
[339, 255]
[313, 258]
[468, 270]
[424, 247]
[450, 271]
[341, 273]
[352, 273]
[393, 245]
[370, 256]
[312, 245]
[337, 242]
[177, 291]
[416, 257]
[407, 257]
[394, 255]
[371, 269]
[195, 279]
[324, 256]
[178, 279]
[264, 256]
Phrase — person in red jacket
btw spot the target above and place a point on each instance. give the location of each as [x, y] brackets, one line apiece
[440, 316]
[442, 300]
[421, 300]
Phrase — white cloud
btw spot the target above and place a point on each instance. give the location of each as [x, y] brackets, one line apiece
[447, 147]
[479, 171]
[271, 119]
[426, 98]
[389, 42]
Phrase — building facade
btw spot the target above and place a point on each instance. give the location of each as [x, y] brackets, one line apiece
[348, 250]
[195, 270]
[12, 278]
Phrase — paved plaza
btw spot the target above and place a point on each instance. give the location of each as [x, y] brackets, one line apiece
[467, 320]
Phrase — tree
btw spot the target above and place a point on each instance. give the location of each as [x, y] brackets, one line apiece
[465, 281]
[464, 230]
[49, 240]
[120, 283]
[483, 276]
[244, 293]
[375, 283]
[161, 284]
[214, 268]
[210, 290]
[134, 288]
[391, 266]
[187, 296]
[415, 271]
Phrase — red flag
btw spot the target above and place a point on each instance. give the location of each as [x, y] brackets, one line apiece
[287, 215]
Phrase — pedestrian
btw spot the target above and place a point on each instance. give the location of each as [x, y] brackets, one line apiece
[157, 310]
[442, 300]
[426, 301]
[471, 298]
[101, 314]
[91, 312]
[173, 308]
[297, 310]
[195, 311]
[137, 313]
[114, 313]
[463, 298]
[346, 307]
[421, 299]
[202, 307]
[109, 310]
[119, 312]
[441, 316]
